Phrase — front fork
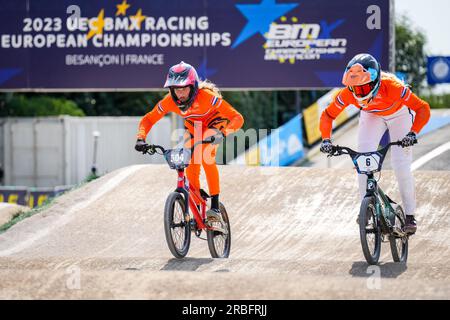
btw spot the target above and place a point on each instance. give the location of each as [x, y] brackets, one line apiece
[382, 204]
[182, 188]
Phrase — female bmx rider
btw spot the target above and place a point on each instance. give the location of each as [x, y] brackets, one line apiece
[385, 103]
[206, 114]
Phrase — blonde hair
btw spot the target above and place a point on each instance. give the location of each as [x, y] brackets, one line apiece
[389, 75]
[208, 85]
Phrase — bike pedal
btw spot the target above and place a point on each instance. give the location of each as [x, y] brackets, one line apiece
[398, 233]
[220, 230]
[198, 233]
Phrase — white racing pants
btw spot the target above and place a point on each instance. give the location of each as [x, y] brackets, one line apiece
[370, 131]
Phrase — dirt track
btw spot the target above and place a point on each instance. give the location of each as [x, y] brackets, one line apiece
[294, 236]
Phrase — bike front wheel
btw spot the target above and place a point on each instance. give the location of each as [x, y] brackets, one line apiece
[219, 240]
[399, 244]
[176, 228]
[369, 230]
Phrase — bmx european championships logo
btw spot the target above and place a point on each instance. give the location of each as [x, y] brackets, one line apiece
[289, 39]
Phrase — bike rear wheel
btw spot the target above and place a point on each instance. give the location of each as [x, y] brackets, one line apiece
[399, 245]
[369, 230]
[219, 243]
[176, 228]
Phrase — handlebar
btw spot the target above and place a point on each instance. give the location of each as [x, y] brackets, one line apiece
[152, 148]
[339, 150]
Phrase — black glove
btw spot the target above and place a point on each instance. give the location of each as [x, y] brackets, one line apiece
[217, 138]
[140, 145]
[409, 139]
[326, 146]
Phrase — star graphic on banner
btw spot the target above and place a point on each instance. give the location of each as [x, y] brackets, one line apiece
[326, 29]
[203, 70]
[122, 8]
[97, 25]
[137, 18]
[259, 17]
[8, 73]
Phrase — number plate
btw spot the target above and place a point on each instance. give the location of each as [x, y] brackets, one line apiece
[368, 163]
[177, 158]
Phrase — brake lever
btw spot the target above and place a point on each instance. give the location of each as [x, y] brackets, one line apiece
[335, 152]
[150, 150]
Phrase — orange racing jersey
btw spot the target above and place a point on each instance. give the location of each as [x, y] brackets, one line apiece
[208, 109]
[391, 96]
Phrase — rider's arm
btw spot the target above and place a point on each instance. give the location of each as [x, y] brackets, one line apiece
[151, 118]
[399, 91]
[235, 118]
[337, 105]
[420, 107]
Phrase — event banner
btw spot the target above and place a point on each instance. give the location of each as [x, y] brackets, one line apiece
[311, 116]
[16, 195]
[31, 197]
[239, 44]
[282, 147]
[438, 70]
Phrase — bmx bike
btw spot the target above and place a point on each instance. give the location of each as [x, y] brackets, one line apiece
[380, 218]
[185, 208]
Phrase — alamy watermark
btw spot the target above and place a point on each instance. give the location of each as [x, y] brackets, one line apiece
[373, 22]
[374, 280]
[73, 281]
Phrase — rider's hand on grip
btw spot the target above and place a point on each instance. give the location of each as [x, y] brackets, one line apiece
[214, 136]
[217, 138]
[140, 146]
[326, 146]
[409, 139]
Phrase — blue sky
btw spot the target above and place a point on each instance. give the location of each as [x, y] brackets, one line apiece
[432, 17]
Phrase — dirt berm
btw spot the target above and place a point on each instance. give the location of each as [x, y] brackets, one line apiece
[294, 236]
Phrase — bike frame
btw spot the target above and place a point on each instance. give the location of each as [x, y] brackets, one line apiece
[383, 207]
[381, 202]
[191, 197]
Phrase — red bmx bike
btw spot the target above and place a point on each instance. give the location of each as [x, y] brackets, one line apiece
[185, 209]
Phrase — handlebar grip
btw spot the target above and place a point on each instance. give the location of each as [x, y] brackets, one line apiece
[150, 149]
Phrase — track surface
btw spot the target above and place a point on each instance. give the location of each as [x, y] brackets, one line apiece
[294, 236]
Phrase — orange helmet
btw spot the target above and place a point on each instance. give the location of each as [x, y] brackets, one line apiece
[362, 77]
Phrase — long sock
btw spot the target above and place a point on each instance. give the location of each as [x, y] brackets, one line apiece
[215, 202]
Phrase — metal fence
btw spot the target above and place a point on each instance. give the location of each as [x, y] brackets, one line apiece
[52, 151]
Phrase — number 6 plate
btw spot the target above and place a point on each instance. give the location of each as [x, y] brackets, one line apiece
[368, 163]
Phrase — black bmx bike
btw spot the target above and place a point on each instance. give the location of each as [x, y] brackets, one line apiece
[380, 218]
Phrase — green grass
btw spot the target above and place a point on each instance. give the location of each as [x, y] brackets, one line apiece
[47, 204]
[438, 101]
[23, 215]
